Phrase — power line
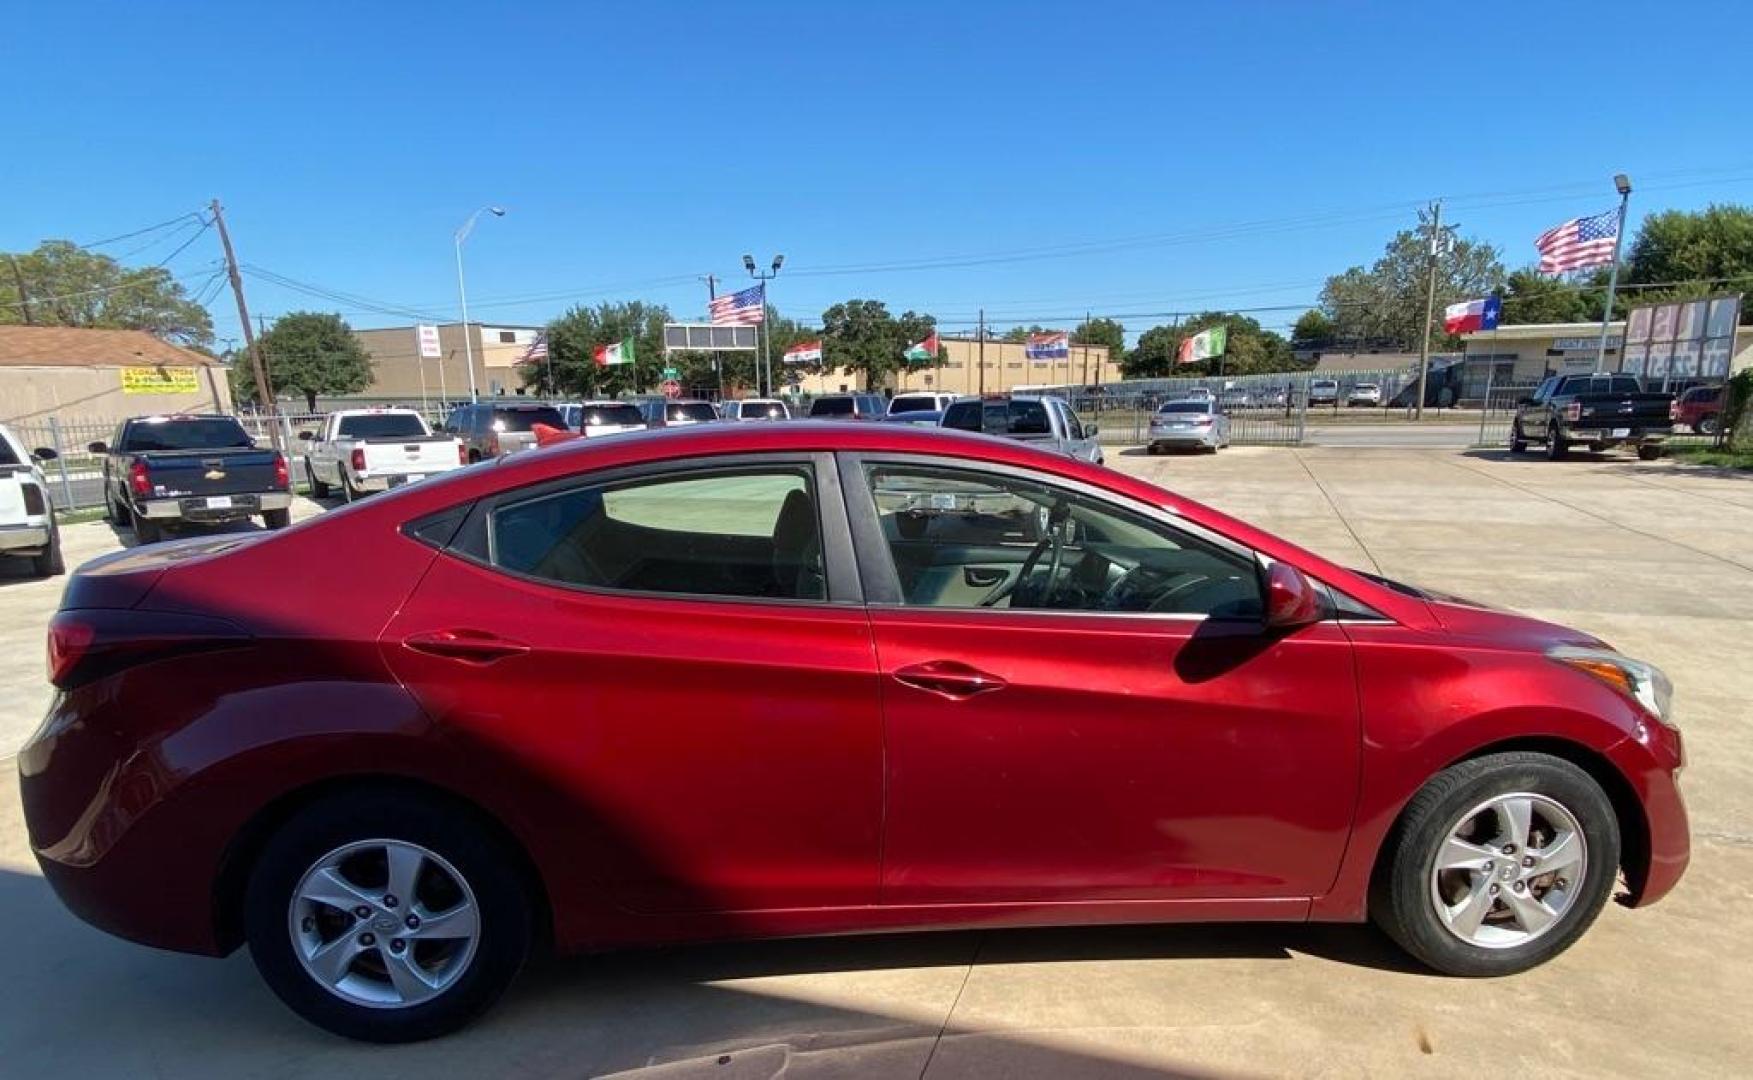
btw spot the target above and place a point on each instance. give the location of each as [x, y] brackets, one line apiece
[142, 232]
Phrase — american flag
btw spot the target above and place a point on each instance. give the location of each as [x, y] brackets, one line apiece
[1578, 243]
[538, 349]
[744, 308]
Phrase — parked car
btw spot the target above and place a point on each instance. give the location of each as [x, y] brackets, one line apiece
[163, 471]
[848, 407]
[1046, 422]
[953, 681]
[28, 529]
[919, 401]
[1197, 393]
[761, 409]
[1363, 393]
[1235, 397]
[364, 450]
[1598, 411]
[1700, 409]
[680, 412]
[1323, 392]
[596, 418]
[1187, 425]
[490, 430]
[921, 417]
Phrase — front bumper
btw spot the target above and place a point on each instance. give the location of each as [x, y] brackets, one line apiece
[197, 508]
[1651, 760]
[28, 537]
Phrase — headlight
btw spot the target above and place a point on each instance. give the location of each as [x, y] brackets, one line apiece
[1641, 682]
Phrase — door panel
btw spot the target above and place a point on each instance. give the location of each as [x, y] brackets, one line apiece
[1118, 758]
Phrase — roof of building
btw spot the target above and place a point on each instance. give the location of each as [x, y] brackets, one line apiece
[72, 346]
[1523, 331]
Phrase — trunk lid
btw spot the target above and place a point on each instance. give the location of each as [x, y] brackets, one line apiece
[175, 474]
[123, 578]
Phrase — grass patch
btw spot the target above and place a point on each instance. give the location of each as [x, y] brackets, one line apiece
[1710, 455]
[79, 517]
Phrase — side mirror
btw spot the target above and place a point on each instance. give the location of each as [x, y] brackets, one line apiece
[44, 453]
[307, 436]
[98, 447]
[1291, 599]
[1090, 430]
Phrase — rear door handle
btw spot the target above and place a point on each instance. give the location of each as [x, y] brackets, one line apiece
[469, 646]
[950, 678]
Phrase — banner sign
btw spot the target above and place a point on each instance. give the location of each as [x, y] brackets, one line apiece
[1044, 347]
[428, 338]
[1691, 339]
[161, 380]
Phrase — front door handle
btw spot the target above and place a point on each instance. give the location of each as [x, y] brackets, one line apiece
[950, 678]
[469, 646]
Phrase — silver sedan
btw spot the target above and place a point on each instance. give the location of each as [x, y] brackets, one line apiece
[1188, 424]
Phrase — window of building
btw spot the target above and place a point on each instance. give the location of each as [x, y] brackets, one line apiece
[508, 337]
[751, 533]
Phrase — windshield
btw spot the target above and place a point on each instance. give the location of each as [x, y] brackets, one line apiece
[762, 410]
[525, 419]
[216, 433]
[382, 426]
[693, 410]
[601, 415]
[831, 406]
[1185, 407]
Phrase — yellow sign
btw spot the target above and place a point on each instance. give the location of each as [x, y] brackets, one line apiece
[160, 380]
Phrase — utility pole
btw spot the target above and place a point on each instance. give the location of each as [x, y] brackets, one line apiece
[717, 366]
[23, 293]
[1436, 240]
[982, 350]
[264, 391]
[1086, 348]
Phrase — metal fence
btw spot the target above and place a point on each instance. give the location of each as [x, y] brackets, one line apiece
[1274, 418]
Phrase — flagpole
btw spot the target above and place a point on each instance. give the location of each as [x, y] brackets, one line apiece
[1623, 183]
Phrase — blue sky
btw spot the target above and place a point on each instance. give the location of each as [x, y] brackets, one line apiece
[1128, 158]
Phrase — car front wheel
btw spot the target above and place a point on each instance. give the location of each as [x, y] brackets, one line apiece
[1498, 864]
[386, 918]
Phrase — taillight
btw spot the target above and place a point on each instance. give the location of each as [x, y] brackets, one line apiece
[90, 643]
[138, 479]
[492, 443]
[1573, 411]
[462, 454]
[35, 505]
[282, 475]
[69, 637]
[359, 459]
[1674, 409]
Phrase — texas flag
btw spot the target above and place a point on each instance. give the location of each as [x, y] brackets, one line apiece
[1471, 315]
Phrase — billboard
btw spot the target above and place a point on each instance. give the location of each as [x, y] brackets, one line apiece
[1682, 340]
[427, 335]
[707, 337]
[160, 380]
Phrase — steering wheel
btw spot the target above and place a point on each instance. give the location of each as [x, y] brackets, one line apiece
[1147, 579]
[1055, 539]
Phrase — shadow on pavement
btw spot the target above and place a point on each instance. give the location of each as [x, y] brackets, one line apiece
[88, 1005]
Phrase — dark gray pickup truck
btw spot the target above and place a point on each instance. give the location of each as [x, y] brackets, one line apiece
[167, 470]
[1597, 412]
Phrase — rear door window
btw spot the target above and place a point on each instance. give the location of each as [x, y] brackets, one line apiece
[963, 415]
[525, 419]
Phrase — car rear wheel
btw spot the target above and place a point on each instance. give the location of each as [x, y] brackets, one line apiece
[1648, 453]
[146, 531]
[1498, 864]
[277, 519]
[386, 917]
[49, 562]
[318, 489]
[1707, 426]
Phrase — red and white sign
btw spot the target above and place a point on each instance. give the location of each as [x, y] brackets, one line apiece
[428, 337]
[671, 388]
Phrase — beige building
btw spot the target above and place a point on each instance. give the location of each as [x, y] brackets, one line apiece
[1006, 368]
[1525, 354]
[399, 373]
[78, 375]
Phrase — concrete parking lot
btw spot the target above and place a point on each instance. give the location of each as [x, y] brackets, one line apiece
[1655, 558]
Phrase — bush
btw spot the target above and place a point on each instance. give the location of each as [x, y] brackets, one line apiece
[1735, 411]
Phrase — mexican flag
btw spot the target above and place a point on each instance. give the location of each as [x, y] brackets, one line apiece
[924, 350]
[804, 352]
[1203, 345]
[621, 352]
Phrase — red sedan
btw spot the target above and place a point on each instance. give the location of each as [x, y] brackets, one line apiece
[742, 680]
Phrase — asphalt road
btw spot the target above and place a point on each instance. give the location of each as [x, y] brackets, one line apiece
[1651, 556]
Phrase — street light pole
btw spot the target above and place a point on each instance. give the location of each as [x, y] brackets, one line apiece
[764, 276]
[462, 234]
[1622, 183]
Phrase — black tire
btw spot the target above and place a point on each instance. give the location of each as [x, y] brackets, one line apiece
[1648, 453]
[318, 489]
[1518, 444]
[109, 507]
[50, 562]
[1556, 448]
[1707, 426]
[1401, 901]
[1153, 449]
[277, 519]
[146, 531]
[504, 910]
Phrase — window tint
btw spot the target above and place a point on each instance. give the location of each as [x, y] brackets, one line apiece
[597, 415]
[910, 403]
[831, 406]
[1186, 407]
[381, 426]
[751, 533]
[219, 433]
[7, 457]
[963, 539]
[698, 411]
[1025, 418]
[524, 419]
[964, 415]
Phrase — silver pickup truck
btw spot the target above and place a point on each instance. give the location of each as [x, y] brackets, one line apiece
[1043, 421]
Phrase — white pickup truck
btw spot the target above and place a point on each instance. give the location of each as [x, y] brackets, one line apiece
[27, 517]
[361, 450]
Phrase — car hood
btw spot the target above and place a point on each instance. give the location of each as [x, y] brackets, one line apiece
[1470, 618]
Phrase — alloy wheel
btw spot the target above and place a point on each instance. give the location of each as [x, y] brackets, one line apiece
[384, 923]
[1509, 870]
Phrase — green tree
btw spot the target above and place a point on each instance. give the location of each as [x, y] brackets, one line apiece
[861, 336]
[1154, 355]
[1531, 297]
[1313, 329]
[1386, 303]
[313, 353]
[1101, 332]
[574, 338]
[1016, 335]
[1710, 250]
[67, 285]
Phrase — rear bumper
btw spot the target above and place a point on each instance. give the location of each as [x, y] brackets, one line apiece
[1604, 436]
[1183, 438]
[28, 537]
[195, 509]
[384, 481]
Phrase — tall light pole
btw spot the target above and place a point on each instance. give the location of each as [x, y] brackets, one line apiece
[1622, 184]
[764, 276]
[463, 294]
